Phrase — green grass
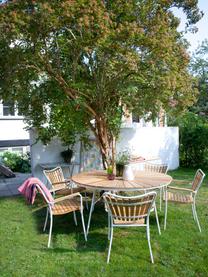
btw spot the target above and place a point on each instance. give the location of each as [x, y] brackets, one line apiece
[180, 251]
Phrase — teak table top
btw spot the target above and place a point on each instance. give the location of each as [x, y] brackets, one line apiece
[143, 180]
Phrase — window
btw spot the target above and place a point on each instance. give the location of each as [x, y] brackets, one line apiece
[18, 150]
[8, 109]
[135, 118]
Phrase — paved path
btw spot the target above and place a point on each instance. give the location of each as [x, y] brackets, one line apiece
[8, 186]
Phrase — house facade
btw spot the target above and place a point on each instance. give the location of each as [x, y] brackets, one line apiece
[13, 135]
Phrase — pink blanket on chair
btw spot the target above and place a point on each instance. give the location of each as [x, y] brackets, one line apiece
[28, 189]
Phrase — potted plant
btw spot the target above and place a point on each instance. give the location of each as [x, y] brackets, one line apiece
[67, 155]
[110, 174]
[121, 160]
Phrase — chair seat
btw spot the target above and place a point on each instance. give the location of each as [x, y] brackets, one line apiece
[132, 222]
[67, 191]
[66, 206]
[178, 197]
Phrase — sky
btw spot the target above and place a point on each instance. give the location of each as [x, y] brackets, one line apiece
[196, 39]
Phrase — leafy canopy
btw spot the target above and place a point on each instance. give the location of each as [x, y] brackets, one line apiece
[73, 65]
[199, 68]
[193, 140]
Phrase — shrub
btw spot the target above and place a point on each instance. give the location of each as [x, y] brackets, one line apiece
[16, 162]
[122, 158]
[193, 140]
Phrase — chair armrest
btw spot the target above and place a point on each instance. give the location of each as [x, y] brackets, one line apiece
[56, 189]
[39, 207]
[178, 188]
[181, 181]
[61, 182]
[67, 197]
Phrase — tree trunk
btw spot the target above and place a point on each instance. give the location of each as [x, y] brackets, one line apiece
[113, 150]
[108, 156]
[106, 143]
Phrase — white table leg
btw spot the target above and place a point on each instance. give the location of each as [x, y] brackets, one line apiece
[91, 210]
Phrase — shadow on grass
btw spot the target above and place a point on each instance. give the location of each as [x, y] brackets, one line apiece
[98, 243]
[64, 225]
[98, 232]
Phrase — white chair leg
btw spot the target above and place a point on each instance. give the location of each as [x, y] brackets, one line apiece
[157, 220]
[166, 207]
[75, 218]
[148, 239]
[109, 226]
[91, 210]
[197, 220]
[161, 193]
[83, 225]
[110, 245]
[86, 202]
[50, 231]
[193, 212]
[46, 220]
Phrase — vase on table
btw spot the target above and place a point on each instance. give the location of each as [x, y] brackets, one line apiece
[128, 173]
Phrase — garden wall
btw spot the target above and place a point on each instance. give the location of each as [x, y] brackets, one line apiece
[42, 155]
[152, 142]
[161, 143]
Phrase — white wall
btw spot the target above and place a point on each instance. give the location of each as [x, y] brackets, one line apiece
[148, 142]
[43, 154]
[12, 129]
[160, 142]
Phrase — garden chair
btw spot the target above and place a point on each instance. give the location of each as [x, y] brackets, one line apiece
[160, 168]
[61, 186]
[187, 195]
[60, 206]
[133, 211]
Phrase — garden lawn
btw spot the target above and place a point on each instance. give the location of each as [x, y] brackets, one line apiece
[180, 250]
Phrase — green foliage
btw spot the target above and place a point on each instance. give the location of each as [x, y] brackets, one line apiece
[67, 155]
[110, 170]
[199, 68]
[74, 65]
[193, 140]
[16, 162]
[122, 158]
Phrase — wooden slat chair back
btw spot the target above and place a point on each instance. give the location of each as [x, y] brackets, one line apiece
[198, 179]
[160, 168]
[55, 176]
[186, 195]
[61, 186]
[126, 211]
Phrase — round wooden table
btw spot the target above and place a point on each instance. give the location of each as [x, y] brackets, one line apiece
[143, 181]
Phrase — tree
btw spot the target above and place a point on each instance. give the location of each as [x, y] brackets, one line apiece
[193, 140]
[199, 68]
[78, 63]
